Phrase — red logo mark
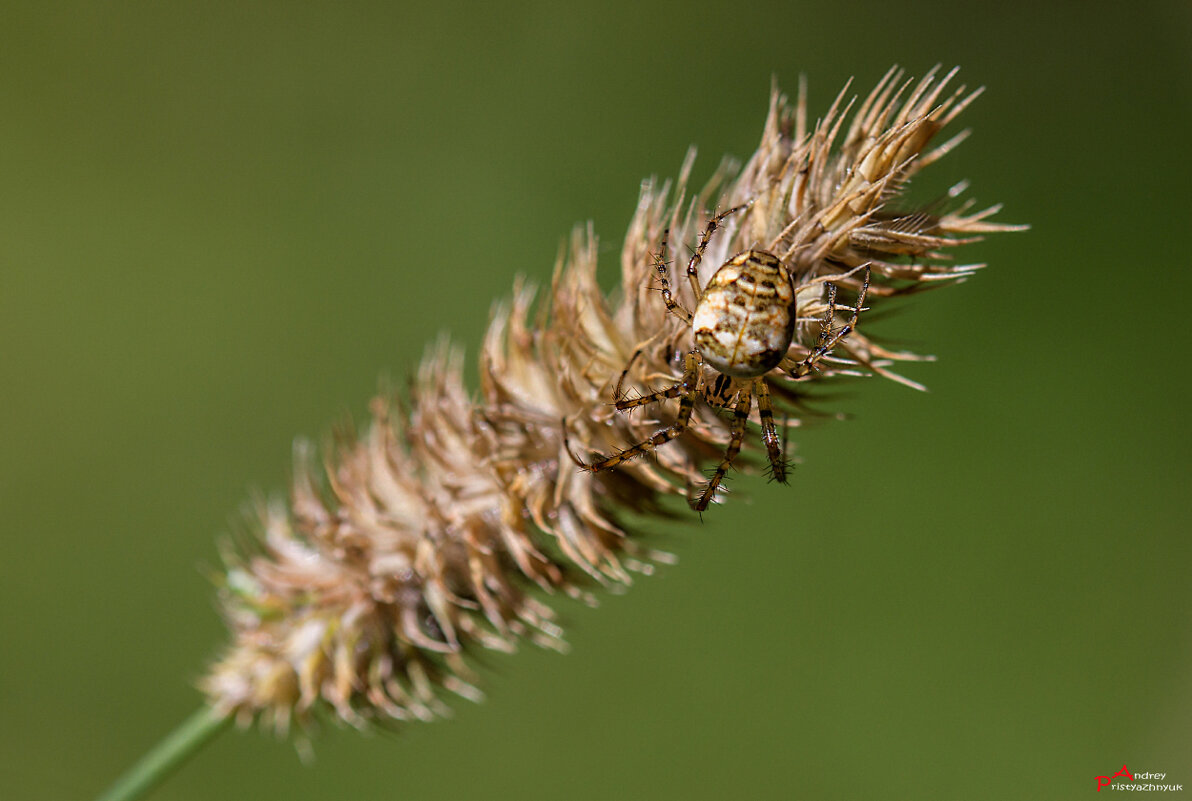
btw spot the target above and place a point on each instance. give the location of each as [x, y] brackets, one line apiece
[1105, 781]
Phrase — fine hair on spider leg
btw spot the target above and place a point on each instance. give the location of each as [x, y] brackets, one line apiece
[740, 421]
[829, 338]
[784, 461]
[686, 390]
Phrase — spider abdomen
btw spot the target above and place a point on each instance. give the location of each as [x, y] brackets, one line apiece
[745, 319]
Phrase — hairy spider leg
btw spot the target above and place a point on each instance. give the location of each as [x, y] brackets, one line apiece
[661, 267]
[693, 265]
[828, 338]
[687, 390]
[673, 391]
[769, 433]
[740, 420]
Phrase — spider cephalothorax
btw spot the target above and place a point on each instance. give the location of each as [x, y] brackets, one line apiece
[742, 328]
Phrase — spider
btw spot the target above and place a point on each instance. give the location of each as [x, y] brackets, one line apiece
[742, 327]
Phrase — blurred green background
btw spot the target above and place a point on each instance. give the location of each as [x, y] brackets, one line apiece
[221, 222]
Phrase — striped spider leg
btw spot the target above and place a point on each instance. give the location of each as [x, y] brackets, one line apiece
[686, 390]
[829, 338]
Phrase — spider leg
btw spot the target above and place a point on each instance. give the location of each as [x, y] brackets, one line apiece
[828, 338]
[617, 396]
[769, 434]
[687, 390]
[626, 404]
[740, 420]
[661, 267]
[698, 256]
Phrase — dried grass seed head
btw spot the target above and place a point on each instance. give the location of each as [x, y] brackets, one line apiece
[428, 533]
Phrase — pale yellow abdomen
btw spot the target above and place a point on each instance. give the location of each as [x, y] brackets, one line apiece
[745, 319]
